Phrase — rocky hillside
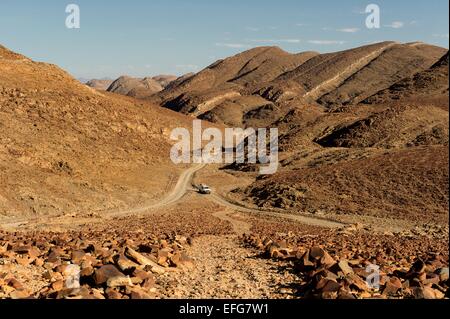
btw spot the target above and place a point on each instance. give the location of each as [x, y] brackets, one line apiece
[66, 148]
[362, 131]
[165, 80]
[428, 85]
[406, 184]
[266, 83]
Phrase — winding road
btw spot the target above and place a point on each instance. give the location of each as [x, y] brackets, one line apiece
[184, 184]
[322, 222]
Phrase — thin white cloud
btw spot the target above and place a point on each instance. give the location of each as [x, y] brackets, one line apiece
[373, 41]
[348, 30]
[187, 67]
[276, 40]
[359, 11]
[232, 45]
[396, 25]
[326, 42]
[441, 35]
[301, 25]
[252, 29]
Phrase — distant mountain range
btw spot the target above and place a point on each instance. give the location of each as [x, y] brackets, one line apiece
[134, 87]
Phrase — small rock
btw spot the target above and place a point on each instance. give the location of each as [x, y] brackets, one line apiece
[58, 285]
[106, 272]
[139, 293]
[393, 285]
[119, 281]
[443, 274]
[20, 294]
[113, 294]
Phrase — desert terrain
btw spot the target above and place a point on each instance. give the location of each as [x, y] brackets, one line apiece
[86, 179]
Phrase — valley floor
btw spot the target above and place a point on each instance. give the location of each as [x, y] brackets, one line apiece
[212, 247]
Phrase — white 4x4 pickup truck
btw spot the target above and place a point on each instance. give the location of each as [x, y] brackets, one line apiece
[204, 189]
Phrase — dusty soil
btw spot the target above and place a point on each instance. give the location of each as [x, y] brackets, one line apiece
[227, 270]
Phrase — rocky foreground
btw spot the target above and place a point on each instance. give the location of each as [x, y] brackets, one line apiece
[120, 259]
[146, 258]
[327, 277]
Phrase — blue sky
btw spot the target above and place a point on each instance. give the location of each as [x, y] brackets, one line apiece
[141, 38]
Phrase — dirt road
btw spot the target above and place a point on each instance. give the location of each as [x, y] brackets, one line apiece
[183, 184]
[298, 218]
[226, 269]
